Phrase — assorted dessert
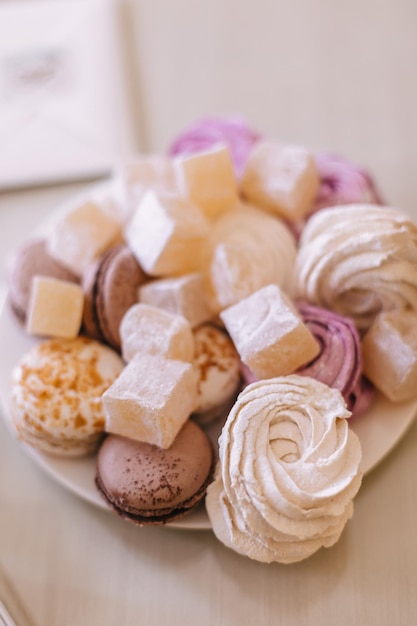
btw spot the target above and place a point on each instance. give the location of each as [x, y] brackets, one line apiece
[235, 281]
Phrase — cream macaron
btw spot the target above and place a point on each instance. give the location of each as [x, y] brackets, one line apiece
[56, 389]
[218, 366]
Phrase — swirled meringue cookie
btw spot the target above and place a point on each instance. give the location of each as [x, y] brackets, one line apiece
[343, 182]
[288, 471]
[218, 367]
[358, 260]
[339, 363]
[210, 131]
[56, 390]
[246, 250]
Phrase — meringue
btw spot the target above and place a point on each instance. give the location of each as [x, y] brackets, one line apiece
[246, 250]
[343, 182]
[339, 363]
[289, 468]
[358, 260]
[210, 131]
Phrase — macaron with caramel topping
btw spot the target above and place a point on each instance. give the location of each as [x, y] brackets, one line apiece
[56, 389]
[217, 364]
[149, 485]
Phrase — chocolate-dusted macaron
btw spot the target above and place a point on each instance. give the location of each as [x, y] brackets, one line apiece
[32, 259]
[111, 288]
[149, 485]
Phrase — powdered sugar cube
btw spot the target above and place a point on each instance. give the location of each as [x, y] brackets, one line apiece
[268, 333]
[151, 399]
[150, 330]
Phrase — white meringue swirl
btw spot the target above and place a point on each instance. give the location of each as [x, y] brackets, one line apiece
[288, 470]
[358, 260]
[247, 249]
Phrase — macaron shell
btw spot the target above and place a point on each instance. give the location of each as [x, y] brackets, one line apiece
[218, 365]
[56, 389]
[90, 324]
[111, 288]
[121, 278]
[32, 259]
[151, 485]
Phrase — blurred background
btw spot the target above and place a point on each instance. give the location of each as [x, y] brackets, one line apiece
[337, 76]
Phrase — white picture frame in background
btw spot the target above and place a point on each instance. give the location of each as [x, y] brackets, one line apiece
[65, 113]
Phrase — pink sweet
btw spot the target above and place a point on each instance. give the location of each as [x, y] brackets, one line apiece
[209, 131]
[339, 363]
[343, 182]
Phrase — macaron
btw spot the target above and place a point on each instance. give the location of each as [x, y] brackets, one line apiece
[149, 485]
[218, 367]
[32, 259]
[56, 389]
[111, 287]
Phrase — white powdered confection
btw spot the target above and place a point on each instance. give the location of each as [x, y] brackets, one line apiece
[246, 250]
[288, 471]
[358, 260]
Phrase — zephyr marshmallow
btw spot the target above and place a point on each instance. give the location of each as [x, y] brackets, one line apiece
[288, 471]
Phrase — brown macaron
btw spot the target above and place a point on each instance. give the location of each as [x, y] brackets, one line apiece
[32, 259]
[149, 485]
[110, 288]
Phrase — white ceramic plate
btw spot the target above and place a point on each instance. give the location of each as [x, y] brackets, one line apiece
[379, 430]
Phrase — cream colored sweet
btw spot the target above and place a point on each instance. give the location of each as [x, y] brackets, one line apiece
[218, 367]
[389, 351]
[108, 198]
[81, 235]
[133, 177]
[151, 399]
[146, 329]
[289, 469]
[56, 391]
[245, 251]
[207, 178]
[270, 336]
[166, 234]
[55, 308]
[281, 178]
[182, 295]
[358, 260]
